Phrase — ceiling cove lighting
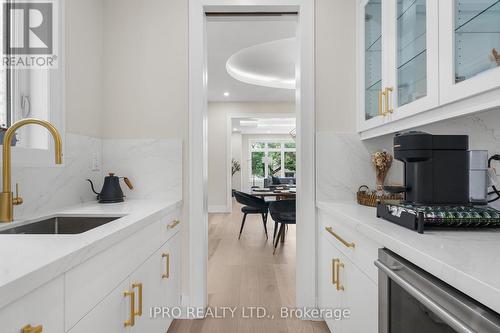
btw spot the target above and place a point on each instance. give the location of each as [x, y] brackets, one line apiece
[269, 64]
[245, 123]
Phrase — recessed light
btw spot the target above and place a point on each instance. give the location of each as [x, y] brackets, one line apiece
[235, 130]
[226, 94]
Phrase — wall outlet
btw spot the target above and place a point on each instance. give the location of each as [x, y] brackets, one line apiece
[96, 162]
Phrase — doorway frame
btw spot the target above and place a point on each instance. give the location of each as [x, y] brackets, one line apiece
[198, 150]
[229, 133]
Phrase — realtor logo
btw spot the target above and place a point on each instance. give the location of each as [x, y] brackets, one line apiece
[29, 38]
[31, 28]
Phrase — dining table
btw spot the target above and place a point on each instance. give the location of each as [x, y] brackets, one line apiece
[278, 194]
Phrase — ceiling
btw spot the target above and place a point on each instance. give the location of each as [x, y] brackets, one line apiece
[282, 125]
[228, 36]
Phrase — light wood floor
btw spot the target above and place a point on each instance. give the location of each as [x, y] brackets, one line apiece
[244, 273]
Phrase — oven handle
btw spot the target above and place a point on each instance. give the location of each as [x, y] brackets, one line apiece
[440, 311]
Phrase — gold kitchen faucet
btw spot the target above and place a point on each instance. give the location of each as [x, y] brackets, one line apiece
[7, 199]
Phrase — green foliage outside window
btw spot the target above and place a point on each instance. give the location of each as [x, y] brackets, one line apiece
[258, 166]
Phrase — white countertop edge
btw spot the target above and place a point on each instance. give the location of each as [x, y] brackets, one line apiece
[86, 245]
[475, 288]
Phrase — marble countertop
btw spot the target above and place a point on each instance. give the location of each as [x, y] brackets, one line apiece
[467, 260]
[29, 261]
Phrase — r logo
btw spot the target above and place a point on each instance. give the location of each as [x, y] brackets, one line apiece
[28, 27]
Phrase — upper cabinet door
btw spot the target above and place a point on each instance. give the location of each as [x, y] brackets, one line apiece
[413, 56]
[470, 48]
[371, 64]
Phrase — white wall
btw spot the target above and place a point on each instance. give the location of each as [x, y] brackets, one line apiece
[218, 131]
[84, 67]
[335, 65]
[146, 75]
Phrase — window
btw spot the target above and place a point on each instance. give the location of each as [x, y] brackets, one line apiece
[31, 90]
[273, 158]
[31, 81]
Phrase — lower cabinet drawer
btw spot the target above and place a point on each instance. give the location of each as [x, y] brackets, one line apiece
[42, 307]
[361, 250]
[345, 289]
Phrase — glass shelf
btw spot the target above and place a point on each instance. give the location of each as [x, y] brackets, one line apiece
[371, 100]
[477, 35]
[411, 50]
[373, 57]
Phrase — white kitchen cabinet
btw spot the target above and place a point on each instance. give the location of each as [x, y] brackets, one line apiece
[360, 296]
[155, 283]
[371, 64]
[342, 285]
[171, 282]
[469, 39]
[109, 315]
[413, 57]
[42, 307]
[146, 283]
[159, 278]
[328, 295]
[398, 60]
[346, 275]
[422, 61]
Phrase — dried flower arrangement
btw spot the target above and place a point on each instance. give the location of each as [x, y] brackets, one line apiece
[382, 161]
[496, 56]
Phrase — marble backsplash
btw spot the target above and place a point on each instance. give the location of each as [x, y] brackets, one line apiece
[154, 166]
[343, 160]
[47, 188]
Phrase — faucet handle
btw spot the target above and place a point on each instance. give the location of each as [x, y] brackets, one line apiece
[17, 200]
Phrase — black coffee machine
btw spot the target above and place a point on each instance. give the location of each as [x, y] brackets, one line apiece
[436, 168]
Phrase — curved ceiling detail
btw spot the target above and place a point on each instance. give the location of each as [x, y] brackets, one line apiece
[269, 64]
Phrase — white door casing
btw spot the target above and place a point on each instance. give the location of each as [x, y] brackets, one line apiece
[197, 201]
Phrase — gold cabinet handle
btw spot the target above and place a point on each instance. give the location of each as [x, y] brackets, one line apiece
[381, 95]
[166, 275]
[387, 94]
[337, 264]
[131, 321]
[174, 224]
[30, 329]
[334, 275]
[139, 290]
[340, 239]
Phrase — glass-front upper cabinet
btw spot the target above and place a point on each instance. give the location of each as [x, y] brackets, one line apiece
[470, 51]
[398, 51]
[371, 66]
[413, 56]
[373, 57]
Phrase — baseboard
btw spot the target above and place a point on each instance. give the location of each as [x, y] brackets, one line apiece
[218, 209]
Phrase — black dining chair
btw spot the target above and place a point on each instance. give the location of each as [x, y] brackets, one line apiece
[283, 212]
[252, 205]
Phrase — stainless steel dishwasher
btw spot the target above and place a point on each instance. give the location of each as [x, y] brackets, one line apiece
[413, 301]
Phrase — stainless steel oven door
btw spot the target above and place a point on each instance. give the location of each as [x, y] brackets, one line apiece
[413, 301]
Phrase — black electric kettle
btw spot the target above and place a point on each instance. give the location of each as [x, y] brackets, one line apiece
[111, 191]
